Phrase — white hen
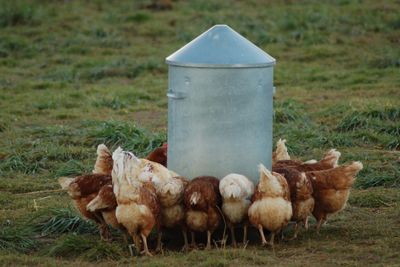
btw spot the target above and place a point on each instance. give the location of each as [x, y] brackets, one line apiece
[236, 191]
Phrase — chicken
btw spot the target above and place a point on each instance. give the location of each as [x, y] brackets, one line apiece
[300, 194]
[332, 189]
[106, 203]
[138, 209]
[104, 162]
[173, 210]
[281, 152]
[236, 191]
[329, 160]
[83, 189]
[159, 155]
[202, 201]
[271, 207]
[169, 189]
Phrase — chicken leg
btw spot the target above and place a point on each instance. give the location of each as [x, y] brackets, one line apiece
[105, 233]
[306, 223]
[208, 246]
[136, 245]
[185, 240]
[233, 235]
[245, 234]
[146, 248]
[193, 243]
[159, 244]
[296, 231]
[319, 225]
[263, 240]
[271, 241]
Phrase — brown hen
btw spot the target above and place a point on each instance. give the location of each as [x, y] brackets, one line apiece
[202, 202]
[332, 189]
[300, 195]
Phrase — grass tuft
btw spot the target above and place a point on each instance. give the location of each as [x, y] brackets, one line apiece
[14, 13]
[115, 103]
[85, 247]
[286, 111]
[377, 126]
[373, 176]
[21, 163]
[16, 239]
[70, 168]
[127, 135]
[374, 198]
[61, 221]
[138, 17]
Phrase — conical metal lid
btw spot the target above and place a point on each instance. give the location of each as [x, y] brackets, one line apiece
[222, 47]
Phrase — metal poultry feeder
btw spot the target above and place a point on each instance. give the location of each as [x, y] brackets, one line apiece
[219, 106]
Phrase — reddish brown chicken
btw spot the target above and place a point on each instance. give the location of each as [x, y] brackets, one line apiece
[159, 155]
[332, 189]
[104, 162]
[329, 160]
[202, 202]
[105, 203]
[83, 189]
[300, 195]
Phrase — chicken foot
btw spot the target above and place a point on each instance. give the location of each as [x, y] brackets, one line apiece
[193, 243]
[136, 245]
[271, 241]
[185, 240]
[146, 248]
[296, 231]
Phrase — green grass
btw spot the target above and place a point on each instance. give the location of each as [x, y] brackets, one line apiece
[74, 74]
[60, 221]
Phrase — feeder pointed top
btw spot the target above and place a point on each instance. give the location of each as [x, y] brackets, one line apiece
[220, 46]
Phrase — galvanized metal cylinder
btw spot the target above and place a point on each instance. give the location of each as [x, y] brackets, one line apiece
[220, 113]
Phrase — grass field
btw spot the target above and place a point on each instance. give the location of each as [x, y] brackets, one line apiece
[75, 73]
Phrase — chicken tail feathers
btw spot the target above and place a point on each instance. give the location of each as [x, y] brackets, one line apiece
[338, 178]
[281, 152]
[354, 168]
[331, 158]
[65, 182]
[264, 171]
[104, 161]
[194, 198]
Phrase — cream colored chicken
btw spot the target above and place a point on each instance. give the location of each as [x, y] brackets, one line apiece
[236, 191]
[169, 189]
[138, 208]
[281, 152]
[271, 207]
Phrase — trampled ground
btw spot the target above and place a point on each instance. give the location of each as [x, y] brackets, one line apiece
[74, 74]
